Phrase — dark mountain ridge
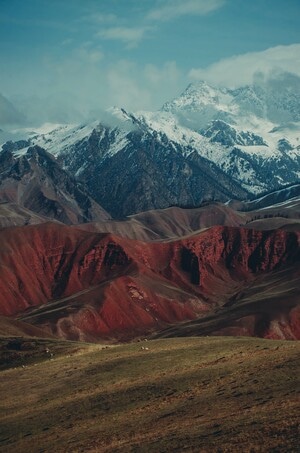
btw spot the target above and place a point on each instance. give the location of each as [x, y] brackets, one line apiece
[34, 180]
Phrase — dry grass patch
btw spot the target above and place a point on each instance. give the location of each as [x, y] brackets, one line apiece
[188, 394]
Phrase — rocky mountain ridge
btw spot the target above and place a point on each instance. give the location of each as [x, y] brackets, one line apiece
[275, 99]
[208, 144]
[34, 180]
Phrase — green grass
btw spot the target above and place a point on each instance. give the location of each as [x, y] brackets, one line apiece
[189, 394]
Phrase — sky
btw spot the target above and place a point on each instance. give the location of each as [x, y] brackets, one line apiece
[67, 60]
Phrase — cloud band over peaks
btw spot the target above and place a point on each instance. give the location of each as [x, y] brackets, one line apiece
[240, 69]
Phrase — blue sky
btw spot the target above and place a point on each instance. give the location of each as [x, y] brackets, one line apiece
[81, 56]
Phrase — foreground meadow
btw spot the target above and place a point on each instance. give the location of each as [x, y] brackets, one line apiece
[212, 394]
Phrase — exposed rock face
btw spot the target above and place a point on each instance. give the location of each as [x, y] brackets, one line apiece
[34, 180]
[62, 261]
[83, 285]
[240, 252]
[148, 172]
[220, 132]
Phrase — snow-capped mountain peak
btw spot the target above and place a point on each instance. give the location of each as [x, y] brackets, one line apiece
[209, 142]
[198, 96]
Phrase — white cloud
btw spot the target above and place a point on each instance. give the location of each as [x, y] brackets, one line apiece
[138, 88]
[124, 90]
[157, 75]
[80, 87]
[171, 9]
[240, 69]
[129, 35]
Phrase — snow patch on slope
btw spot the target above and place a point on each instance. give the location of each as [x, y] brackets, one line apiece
[63, 137]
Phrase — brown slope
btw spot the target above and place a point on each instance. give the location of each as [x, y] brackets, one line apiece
[180, 222]
[171, 223]
[11, 214]
[130, 229]
[86, 285]
[11, 327]
[176, 222]
[275, 223]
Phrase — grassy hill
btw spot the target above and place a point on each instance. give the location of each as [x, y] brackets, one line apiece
[212, 394]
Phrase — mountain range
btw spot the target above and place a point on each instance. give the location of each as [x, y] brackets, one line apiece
[232, 272]
[183, 221]
[210, 143]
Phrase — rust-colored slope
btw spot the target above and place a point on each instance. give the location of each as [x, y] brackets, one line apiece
[41, 262]
[84, 285]
[268, 307]
[123, 308]
[71, 282]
